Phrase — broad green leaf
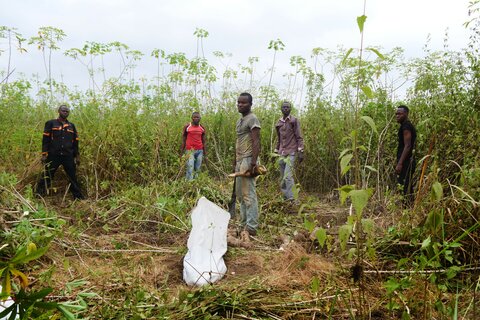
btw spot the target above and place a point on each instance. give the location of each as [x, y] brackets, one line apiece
[367, 91]
[361, 22]
[362, 148]
[434, 220]
[391, 285]
[426, 242]
[370, 122]
[437, 190]
[381, 56]
[344, 163]
[21, 259]
[359, 200]
[67, 314]
[344, 190]
[353, 134]
[343, 235]
[344, 152]
[40, 294]
[309, 224]
[321, 236]
[344, 60]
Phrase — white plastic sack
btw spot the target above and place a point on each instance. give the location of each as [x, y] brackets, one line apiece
[5, 304]
[207, 243]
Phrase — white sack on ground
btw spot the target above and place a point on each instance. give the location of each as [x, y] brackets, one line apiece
[5, 304]
[207, 244]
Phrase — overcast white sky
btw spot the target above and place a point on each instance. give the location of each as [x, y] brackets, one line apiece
[241, 27]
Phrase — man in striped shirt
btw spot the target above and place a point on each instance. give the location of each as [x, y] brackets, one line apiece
[289, 148]
[193, 144]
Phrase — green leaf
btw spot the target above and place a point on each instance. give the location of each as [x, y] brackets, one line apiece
[367, 91]
[434, 220]
[344, 190]
[455, 245]
[75, 307]
[361, 22]
[391, 285]
[381, 56]
[67, 314]
[344, 167]
[6, 284]
[343, 235]
[22, 259]
[344, 60]
[40, 294]
[437, 190]
[88, 294]
[371, 168]
[359, 199]
[370, 122]
[309, 224]
[344, 152]
[315, 284]
[426, 242]
[321, 236]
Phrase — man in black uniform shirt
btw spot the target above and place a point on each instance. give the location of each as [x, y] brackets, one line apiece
[405, 166]
[60, 147]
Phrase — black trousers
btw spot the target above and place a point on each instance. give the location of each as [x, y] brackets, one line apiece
[405, 178]
[53, 162]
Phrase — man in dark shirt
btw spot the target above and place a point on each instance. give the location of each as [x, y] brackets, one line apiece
[289, 148]
[405, 166]
[60, 147]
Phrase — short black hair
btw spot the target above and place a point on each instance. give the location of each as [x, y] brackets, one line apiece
[63, 106]
[404, 107]
[195, 112]
[248, 95]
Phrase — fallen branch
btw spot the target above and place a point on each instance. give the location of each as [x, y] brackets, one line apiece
[126, 250]
[418, 271]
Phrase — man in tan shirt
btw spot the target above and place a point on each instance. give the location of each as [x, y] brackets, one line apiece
[247, 149]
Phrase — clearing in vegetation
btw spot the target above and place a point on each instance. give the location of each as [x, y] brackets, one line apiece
[346, 248]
